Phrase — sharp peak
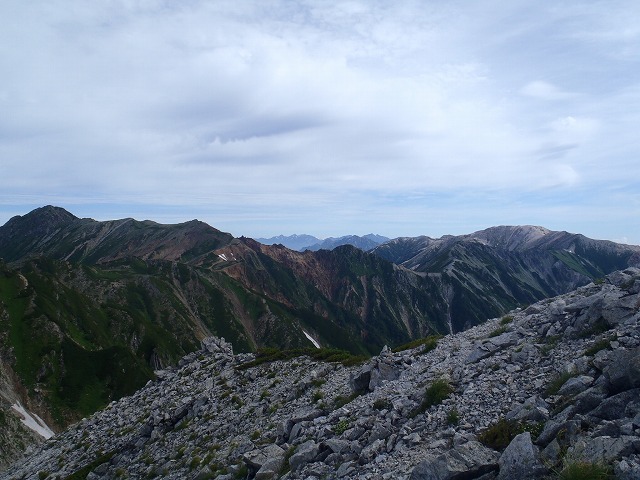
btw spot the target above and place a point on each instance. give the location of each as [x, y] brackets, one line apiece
[49, 213]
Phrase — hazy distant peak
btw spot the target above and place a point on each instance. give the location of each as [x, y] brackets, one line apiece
[366, 242]
[293, 242]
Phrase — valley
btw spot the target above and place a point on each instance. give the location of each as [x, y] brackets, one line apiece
[90, 311]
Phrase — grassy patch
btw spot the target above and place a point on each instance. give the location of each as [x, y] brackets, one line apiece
[341, 427]
[598, 327]
[286, 467]
[453, 418]
[556, 383]
[84, 471]
[331, 355]
[498, 331]
[499, 435]
[382, 404]
[584, 470]
[434, 395]
[549, 344]
[429, 343]
[342, 400]
[506, 320]
[598, 346]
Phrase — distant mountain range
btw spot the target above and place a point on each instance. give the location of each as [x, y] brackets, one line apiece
[89, 309]
[294, 242]
[308, 242]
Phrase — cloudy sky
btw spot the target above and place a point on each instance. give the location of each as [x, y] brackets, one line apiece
[271, 117]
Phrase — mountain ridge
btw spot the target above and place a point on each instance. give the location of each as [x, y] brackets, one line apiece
[534, 394]
[308, 242]
[81, 299]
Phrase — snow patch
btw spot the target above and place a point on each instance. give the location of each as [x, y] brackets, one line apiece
[315, 344]
[33, 421]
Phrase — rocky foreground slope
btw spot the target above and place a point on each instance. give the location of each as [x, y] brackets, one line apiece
[557, 383]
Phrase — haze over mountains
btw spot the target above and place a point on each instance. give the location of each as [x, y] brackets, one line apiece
[90, 309]
[309, 242]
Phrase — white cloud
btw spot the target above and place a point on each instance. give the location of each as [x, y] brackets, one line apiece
[267, 105]
[545, 91]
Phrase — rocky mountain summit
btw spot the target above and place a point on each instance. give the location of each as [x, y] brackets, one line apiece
[546, 388]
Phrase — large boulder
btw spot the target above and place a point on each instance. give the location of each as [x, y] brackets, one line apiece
[604, 449]
[470, 460]
[521, 460]
[372, 375]
[304, 454]
[534, 409]
[623, 370]
[622, 405]
[266, 462]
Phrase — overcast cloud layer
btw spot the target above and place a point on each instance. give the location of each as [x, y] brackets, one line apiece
[328, 118]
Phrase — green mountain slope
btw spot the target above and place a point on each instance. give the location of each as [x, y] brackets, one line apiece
[88, 309]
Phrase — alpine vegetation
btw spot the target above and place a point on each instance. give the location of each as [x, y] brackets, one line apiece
[555, 392]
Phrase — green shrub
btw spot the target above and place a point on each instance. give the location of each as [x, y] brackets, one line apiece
[242, 472]
[584, 470]
[332, 355]
[341, 427]
[598, 327]
[285, 464]
[534, 428]
[382, 404]
[318, 382]
[498, 331]
[195, 462]
[429, 343]
[556, 383]
[453, 418]
[342, 400]
[549, 344]
[434, 395]
[500, 434]
[596, 347]
[506, 320]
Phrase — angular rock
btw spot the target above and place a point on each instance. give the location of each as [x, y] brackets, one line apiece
[479, 353]
[575, 385]
[383, 371]
[623, 370]
[604, 449]
[470, 460]
[521, 460]
[257, 458]
[359, 382]
[504, 340]
[216, 345]
[627, 469]
[305, 453]
[534, 409]
[622, 405]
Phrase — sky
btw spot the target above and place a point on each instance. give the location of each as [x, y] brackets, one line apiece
[268, 117]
